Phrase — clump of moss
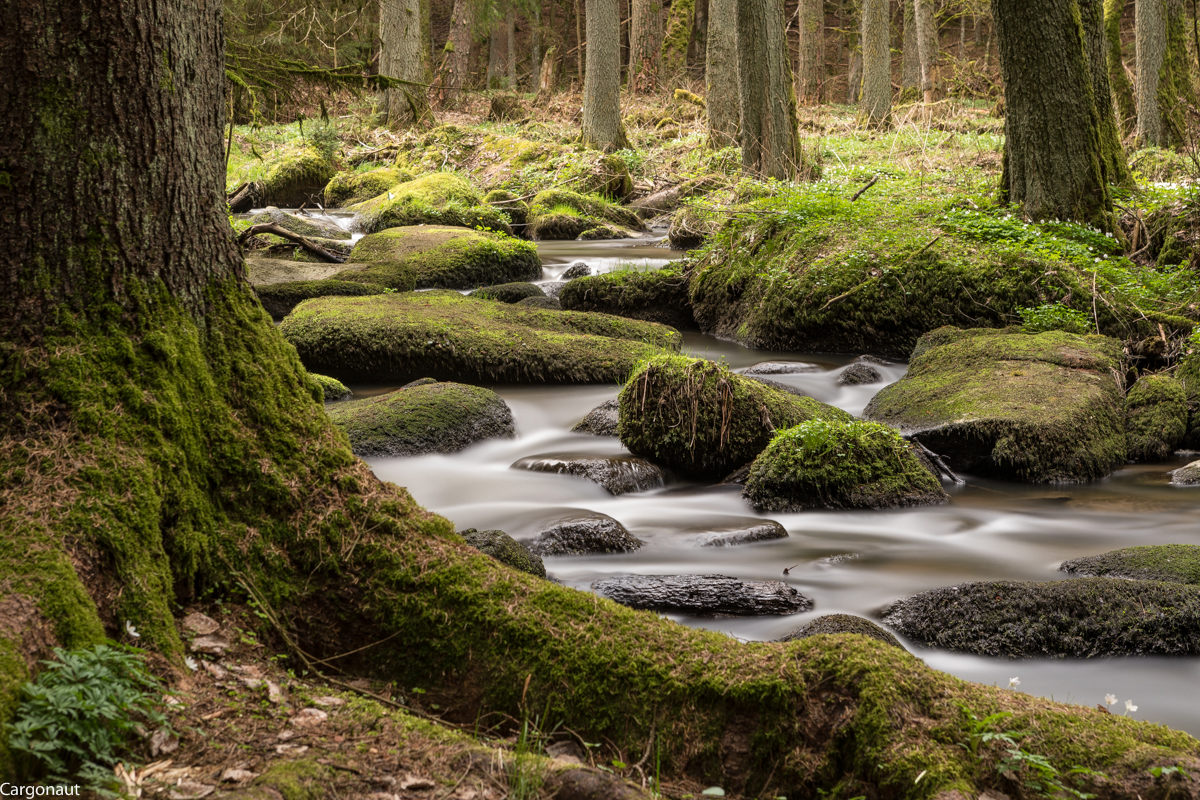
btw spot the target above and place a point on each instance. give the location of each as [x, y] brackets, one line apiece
[656, 296]
[1156, 417]
[442, 257]
[441, 334]
[548, 303]
[1029, 407]
[509, 292]
[1174, 563]
[505, 549]
[702, 420]
[347, 188]
[601, 233]
[438, 199]
[331, 388]
[307, 227]
[280, 298]
[510, 205]
[560, 214]
[822, 464]
[296, 178]
[841, 623]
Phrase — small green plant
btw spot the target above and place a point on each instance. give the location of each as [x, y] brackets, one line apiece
[79, 718]
[1055, 317]
[981, 730]
[527, 774]
[1168, 772]
[1042, 777]
[324, 137]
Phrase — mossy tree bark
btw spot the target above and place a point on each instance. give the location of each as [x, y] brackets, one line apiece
[1163, 81]
[697, 52]
[645, 38]
[928, 46]
[810, 69]
[767, 130]
[676, 38]
[456, 57]
[1112, 154]
[875, 105]
[723, 99]
[401, 56]
[1053, 163]
[910, 71]
[497, 69]
[602, 126]
[1118, 79]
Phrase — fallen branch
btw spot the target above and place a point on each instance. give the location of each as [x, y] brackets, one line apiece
[859, 193]
[937, 461]
[312, 247]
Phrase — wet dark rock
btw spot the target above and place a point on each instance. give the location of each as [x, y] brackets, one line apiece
[576, 270]
[882, 362]
[582, 535]
[600, 421]
[781, 368]
[763, 531]
[552, 288]
[703, 594]
[738, 476]
[1188, 475]
[508, 292]
[858, 374]
[617, 474]
[1079, 618]
[1174, 563]
[505, 549]
[841, 623]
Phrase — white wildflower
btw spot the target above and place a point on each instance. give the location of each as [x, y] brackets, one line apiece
[193, 666]
[1014, 683]
[132, 631]
[1129, 706]
[1110, 698]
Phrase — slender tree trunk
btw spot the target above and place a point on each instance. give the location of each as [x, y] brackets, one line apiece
[1052, 152]
[675, 40]
[962, 35]
[1118, 80]
[400, 57]
[1112, 154]
[497, 44]
[427, 40]
[510, 39]
[580, 46]
[721, 74]
[810, 72]
[875, 106]
[645, 37]
[456, 57]
[548, 79]
[768, 116]
[927, 46]
[698, 46]
[602, 126]
[535, 46]
[910, 73]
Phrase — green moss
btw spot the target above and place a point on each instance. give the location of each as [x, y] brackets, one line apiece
[702, 420]
[280, 298]
[562, 214]
[677, 36]
[296, 177]
[1156, 417]
[441, 198]
[432, 418]
[1031, 407]
[510, 205]
[835, 624]
[505, 549]
[299, 779]
[655, 296]
[1175, 563]
[820, 464]
[434, 256]
[444, 335]
[331, 388]
[347, 188]
[508, 292]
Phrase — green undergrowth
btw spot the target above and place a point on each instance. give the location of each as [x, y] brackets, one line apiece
[435, 256]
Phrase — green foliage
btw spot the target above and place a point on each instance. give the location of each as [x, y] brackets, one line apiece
[1054, 317]
[323, 136]
[79, 717]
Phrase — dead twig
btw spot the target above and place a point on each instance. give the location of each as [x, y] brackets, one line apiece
[312, 247]
[859, 193]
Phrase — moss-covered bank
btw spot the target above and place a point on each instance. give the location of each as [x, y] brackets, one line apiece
[348, 188]
[657, 296]
[441, 198]
[1174, 563]
[561, 214]
[280, 298]
[442, 257]
[511, 293]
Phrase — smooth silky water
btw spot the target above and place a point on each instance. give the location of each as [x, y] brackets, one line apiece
[848, 561]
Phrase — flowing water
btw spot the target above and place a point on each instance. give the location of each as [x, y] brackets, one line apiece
[845, 561]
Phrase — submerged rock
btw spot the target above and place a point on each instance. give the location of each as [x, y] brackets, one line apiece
[509, 292]
[347, 188]
[441, 257]
[505, 549]
[823, 464]
[1156, 417]
[781, 368]
[841, 623]
[439, 198]
[858, 374]
[331, 388]
[617, 474]
[1174, 563]
[655, 296]
[703, 594]
[280, 298]
[1187, 475]
[429, 418]
[1079, 618]
[754, 531]
[1031, 407]
[600, 421]
[583, 535]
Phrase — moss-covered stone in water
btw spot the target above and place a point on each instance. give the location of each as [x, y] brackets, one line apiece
[280, 298]
[510, 205]
[1029, 407]
[442, 257]
[433, 418]
[509, 292]
[820, 464]
[602, 233]
[1174, 563]
[838, 624]
[505, 549]
[1156, 417]
[331, 388]
[297, 178]
[1188, 375]
[308, 227]
[1079, 618]
[656, 296]
[558, 214]
[438, 199]
[441, 334]
[347, 188]
[1187, 475]
[702, 420]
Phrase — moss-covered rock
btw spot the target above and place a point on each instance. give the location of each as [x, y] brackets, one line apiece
[505, 549]
[506, 108]
[263, 271]
[657, 296]
[841, 623]
[308, 227]
[821, 464]
[432, 418]
[280, 298]
[331, 388]
[543, 302]
[1029, 407]
[443, 257]
[400, 337]
[296, 178]
[859, 374]
[704, 595]
[603, 232]
[1156, 417]
[1080, 618]
[441, 198]
[691, 226]
[510, 205]
[558, 214]
[608, 176]
[1187, 475]
[347, 188]
[509, 292]
[584, 534]
[1188, 375]
[1174, 563]
[702, 420]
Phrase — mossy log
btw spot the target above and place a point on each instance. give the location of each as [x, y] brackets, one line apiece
[441, 257]
[657, 296]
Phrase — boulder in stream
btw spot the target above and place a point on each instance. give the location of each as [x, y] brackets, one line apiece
[1031, 407]
[706, 595]
[654, 295]
[576, 270]
[600, 421]
[441, 257]
[509, 292]
[331, 388]
[1187, 475]
[439, 198]
[559, 214]
[552, 288]
[858, 374]
[584, 534]
[348, 188]
[617, 474]
[781, 368]
[1156, 417]
[1174, 563]
[505, 549]
[280, 298]
[841, 623]
[765, 530]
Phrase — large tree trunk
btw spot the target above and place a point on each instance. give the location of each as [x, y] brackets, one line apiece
[910, 71]
[676, 38]
[402, 57]
[1052, 151]
[602, 126]
[645, 37]
[1163, 83]
[697, 53]
[768, 116]
[928, 46]
[1118, 80]
[497, 70]
[1112, 154]
[875, 105]
[723, 95]
[427, 41]
[810, 71]
[456, 57]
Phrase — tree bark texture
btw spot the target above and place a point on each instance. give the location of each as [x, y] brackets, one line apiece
[401, 56]
[910, 72]
[875, 105]
[927, 46]
[602, 126]
[676, 38]
[456, 57]
[1118, 79]
[645, 39]
[810, 69]
[580, 44]
[1152, 128]
[768, 116]
[1052, 157]
[1112, 154]
[497, 69]
[510, 40]
[535, 46]
[548, 80]
[697, 53]
[427, 41]
[723, 94]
